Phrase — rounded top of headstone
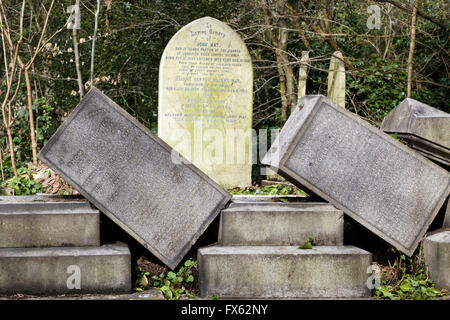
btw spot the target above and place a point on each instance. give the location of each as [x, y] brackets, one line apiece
[443, 236]
[204, 24]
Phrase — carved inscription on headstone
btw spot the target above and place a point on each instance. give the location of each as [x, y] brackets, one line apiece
[205, 100]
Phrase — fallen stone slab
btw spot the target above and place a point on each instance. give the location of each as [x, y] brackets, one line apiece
[26, 221]
[283, 271]
[56, 270]
[382, 184]
[425, 128]
[280, 224]
[134, 177]
[436, 250]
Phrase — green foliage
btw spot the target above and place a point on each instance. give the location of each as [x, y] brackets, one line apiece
[275, 189]
[48, 119]
[171, 284]
[308, 243]
[407, 279]
[379, 88]
[23, 184]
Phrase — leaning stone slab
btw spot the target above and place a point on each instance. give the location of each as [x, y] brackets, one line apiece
[283, 272]
[375, 179]
[280, 224]
[425, 128]
[133, 177]
[33, 221]
[65, 270]
[436, 250]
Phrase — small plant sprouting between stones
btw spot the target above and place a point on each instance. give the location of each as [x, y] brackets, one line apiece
[308, 243]
[171, 284]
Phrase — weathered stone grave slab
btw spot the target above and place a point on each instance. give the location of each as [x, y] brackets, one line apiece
[283, 272]
[133, 177]
[261, 223]
[375, 179]
[436, 251]
[47, 221]
[54, 270]
[336, 79]
[425, 128]
[205, 100]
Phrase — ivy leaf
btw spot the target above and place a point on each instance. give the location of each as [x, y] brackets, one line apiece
[405, 286]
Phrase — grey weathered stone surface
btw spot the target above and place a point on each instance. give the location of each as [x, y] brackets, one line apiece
[280, 224]
[283, 271]
[150, 294]
[436, 250]
[47, 202]
[205, 100]
[381, 183]
[26, 221]
[48, 270]
[133, 177]
[425, 128]
[267, 198]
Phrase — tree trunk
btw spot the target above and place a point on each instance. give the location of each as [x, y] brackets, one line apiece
[94, 37]
[11, 150]
[284, 100]
[31, 116]
[77, 63]
[275, 40]
[411, 48]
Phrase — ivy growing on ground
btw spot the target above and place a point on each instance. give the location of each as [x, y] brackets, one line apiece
[172, 285]
[407, 278]
[23, 184]
[275, 189]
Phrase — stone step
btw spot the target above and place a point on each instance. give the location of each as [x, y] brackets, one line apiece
[65, 270]
[436, 250]
[42, 202]
[33, 221]
[279, 224]
[283, 272]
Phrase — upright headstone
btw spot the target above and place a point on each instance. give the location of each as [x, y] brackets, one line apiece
[425, 128]
[303, 75]
[133, 177]
[375, 179]
[336, 79]
[205, 100]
